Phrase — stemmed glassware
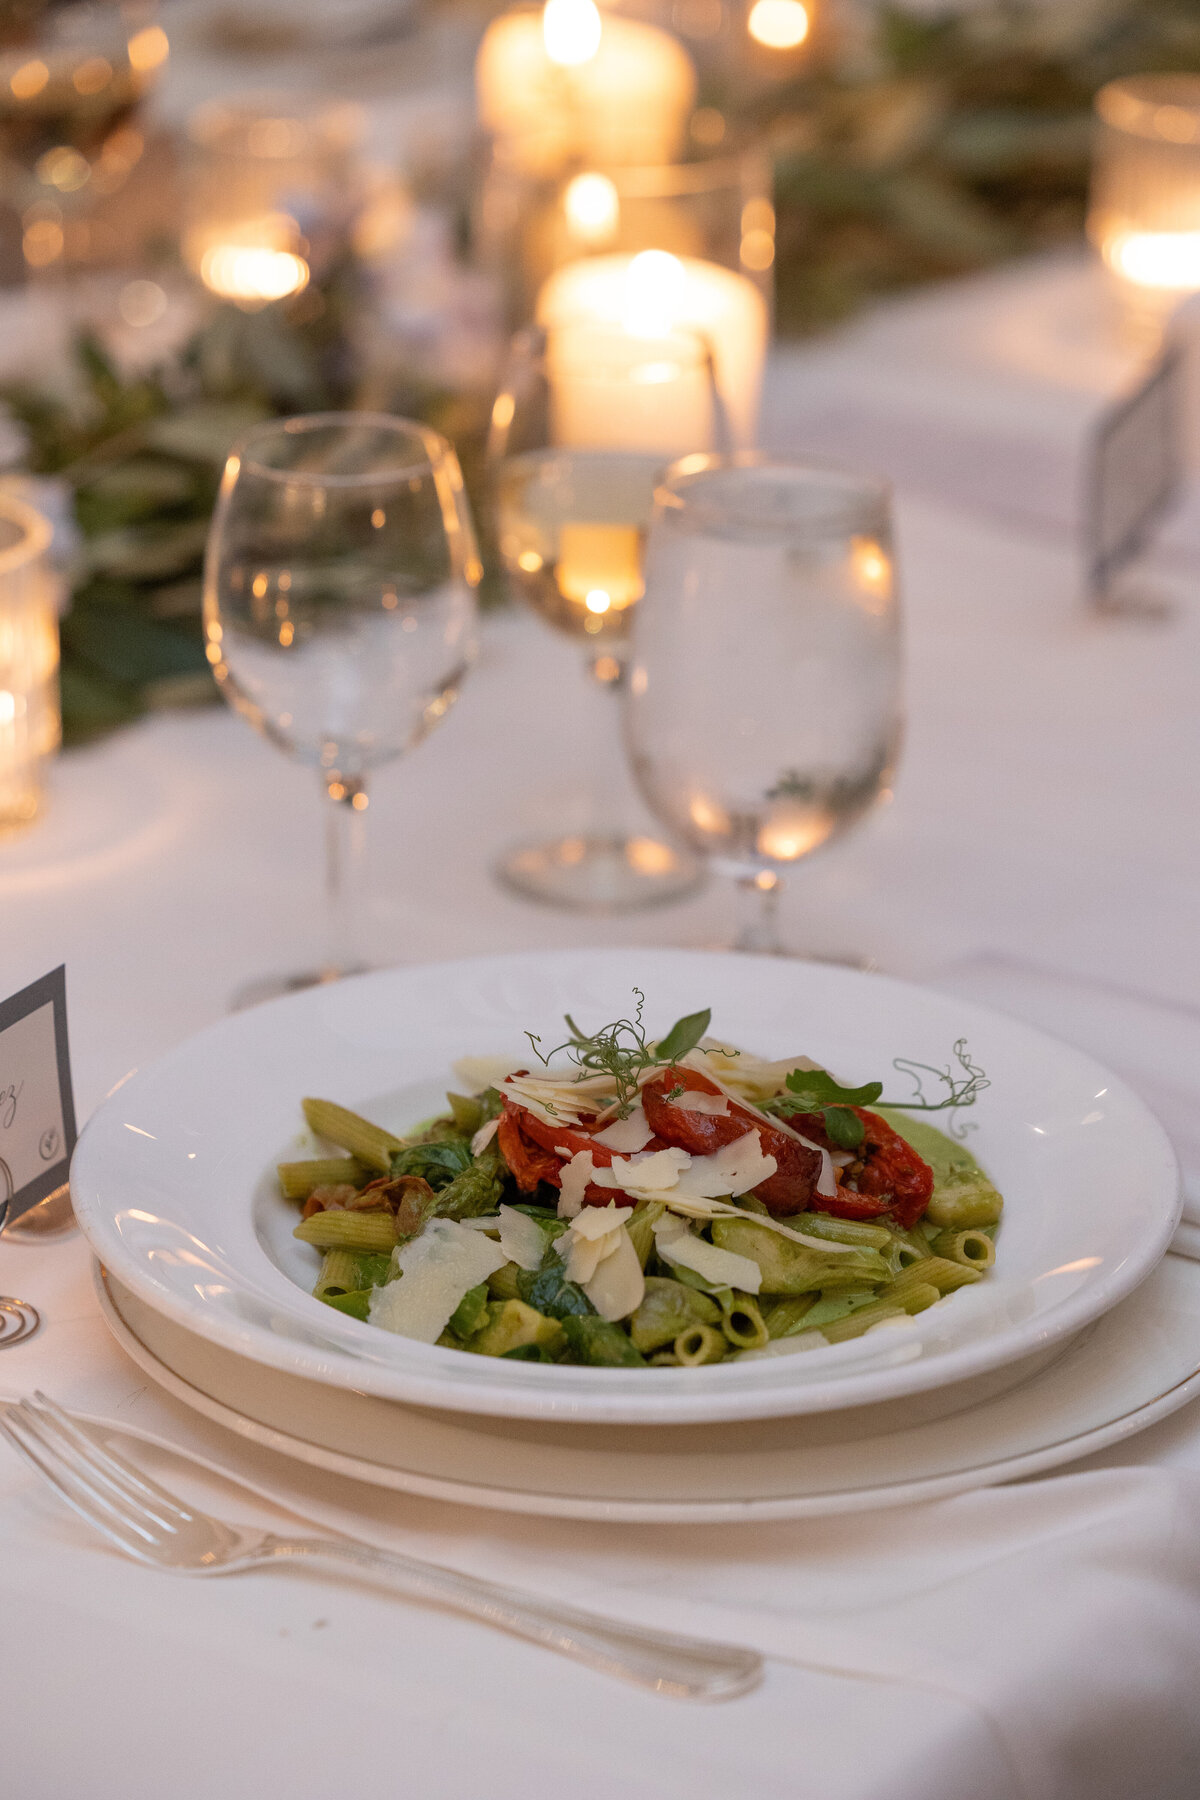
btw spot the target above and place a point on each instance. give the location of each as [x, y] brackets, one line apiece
[587, 418]
[340, 614]
[764, 707]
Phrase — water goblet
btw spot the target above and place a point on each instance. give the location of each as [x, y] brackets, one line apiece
[340, 614]
[763, 714]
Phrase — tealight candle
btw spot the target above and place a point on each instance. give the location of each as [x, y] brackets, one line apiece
[654, 293]
[567, 83]
[264, 188]
[29, 713]
[1144, 216]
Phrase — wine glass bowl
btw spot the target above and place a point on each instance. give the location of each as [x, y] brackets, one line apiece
[589, 416]
[764, 706]
[339, 606]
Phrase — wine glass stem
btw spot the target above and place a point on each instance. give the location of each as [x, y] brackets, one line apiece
[345, 870]
[607, 672]
[758, 906]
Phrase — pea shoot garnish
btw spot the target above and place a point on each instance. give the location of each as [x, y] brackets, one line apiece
[621, 1050]
[815, 1090]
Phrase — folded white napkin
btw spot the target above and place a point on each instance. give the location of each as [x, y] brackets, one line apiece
[1064, 1612]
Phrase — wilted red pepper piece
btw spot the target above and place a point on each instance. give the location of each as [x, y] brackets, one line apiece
[798, 1166]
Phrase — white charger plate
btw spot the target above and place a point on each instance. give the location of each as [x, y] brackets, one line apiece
[1135, 1366]
[173, 1178]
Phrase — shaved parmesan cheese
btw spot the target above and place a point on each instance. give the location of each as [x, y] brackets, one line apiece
[723, 1268]
[749, 1076]
[484, 1136]
[645, 1177]
[594, 1235]
[595, 1221]
[521, 1238]
[697, 1102]
[733, 1169]
[618, 1285]
[574, 1177]
[557, 1099]
[583, 1256]
[827, 1179]
[633, 1133]
[435, 1270]
[475, 1073]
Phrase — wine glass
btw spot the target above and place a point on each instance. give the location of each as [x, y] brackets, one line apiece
[588, 417]
[764, 707]
[339, 608]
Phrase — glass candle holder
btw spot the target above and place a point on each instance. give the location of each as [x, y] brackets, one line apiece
[270, 196]
[716, 209]
[30, 726]
[1144, 216]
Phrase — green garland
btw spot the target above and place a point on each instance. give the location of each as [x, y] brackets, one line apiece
[142, 459]
[938, 145]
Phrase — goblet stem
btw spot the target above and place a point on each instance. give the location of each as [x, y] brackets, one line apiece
[758, 906]
[345, 871]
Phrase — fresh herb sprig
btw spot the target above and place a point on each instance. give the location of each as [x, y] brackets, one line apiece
[815, 1090]
[621, 1050]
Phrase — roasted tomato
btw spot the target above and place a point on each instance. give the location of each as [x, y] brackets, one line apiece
[798, 1166]
[529, 1147]
[894, 1168]
[528, 1161]
[895, 1183]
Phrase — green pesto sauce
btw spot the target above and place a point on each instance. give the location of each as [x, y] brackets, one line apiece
[945, 1155]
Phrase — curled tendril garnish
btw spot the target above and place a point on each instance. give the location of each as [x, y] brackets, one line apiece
[961, 1090]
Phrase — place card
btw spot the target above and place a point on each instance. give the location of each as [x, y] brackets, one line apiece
[37, 1106]
[1135, 468]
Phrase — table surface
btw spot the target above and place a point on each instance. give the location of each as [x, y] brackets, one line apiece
[1046, 810]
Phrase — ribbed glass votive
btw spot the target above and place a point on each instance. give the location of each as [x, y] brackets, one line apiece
[30, 725]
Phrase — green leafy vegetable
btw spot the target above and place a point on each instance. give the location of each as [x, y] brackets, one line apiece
[548, 1290]
[477, 1190]
[471, 1312]
[436, 1163]
[595, 1340]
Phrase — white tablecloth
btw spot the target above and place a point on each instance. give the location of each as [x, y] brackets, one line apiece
[1046, 812]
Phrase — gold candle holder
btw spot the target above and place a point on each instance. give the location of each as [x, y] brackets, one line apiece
[1144, 216]
[30, 723]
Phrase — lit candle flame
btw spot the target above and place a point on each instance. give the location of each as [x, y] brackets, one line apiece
[253, 275]
[571, 30]
[779, 24]
[1168, 260]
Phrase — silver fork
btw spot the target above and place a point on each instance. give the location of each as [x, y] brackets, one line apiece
[156, 1527]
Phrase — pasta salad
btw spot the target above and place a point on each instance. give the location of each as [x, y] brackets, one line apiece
[628, 1203]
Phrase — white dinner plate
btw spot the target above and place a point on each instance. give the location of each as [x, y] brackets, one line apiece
[173, 1178]
[1138, 1363]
